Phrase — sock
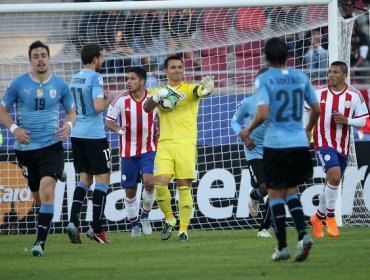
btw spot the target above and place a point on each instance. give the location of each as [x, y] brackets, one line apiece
[278, 220]
[43, 223]
[266, 217]
[321, 209]
[295, 209]
[331, 194]
[131, 208]
[99, 199]
[148, 200]
[78, 199]
[255, 194]
[163, 198]
[185, 207]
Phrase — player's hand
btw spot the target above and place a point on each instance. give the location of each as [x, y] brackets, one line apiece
[121, 130]
[249, 143]
[208, 84]
[64, 131]
[339, 118]
[22, 135]
[160, 95]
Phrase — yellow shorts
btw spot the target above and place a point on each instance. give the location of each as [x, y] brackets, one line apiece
[177, 160]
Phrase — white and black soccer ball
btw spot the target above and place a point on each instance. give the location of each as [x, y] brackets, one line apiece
[170, 101]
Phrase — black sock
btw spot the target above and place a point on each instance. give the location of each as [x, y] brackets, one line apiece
[295, 208]
[278, 218]
[255, 194]
[266, 217]
[43, 224]
[78, 199]
[99, 199]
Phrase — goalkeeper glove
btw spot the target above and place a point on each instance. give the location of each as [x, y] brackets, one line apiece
[160, 95]
[208, 84]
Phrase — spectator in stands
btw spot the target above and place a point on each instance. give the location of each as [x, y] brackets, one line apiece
[181, 28]
[316, 58]
[119, 49]
[144, 29]
[359, 50]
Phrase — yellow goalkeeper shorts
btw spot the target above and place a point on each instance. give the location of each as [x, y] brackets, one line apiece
[177, 160]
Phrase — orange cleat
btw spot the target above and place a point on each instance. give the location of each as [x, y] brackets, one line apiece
[331, 224]
[317, 227]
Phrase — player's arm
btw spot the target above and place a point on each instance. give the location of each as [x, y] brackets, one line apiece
[239, 115]
[312, 119]
[102, 103]
[68, 124]
[157, 96]
[20, 134]
[360, 112]
[205, 88]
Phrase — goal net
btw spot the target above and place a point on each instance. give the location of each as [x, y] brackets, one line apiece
[224, 42]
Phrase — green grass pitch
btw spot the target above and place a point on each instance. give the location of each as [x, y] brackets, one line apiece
[227, 254]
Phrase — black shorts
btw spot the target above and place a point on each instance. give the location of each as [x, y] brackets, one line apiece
[91, 156]
[39, 163]
[286, 168]
[255, 167]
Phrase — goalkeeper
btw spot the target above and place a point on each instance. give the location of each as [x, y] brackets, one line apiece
[176, 151]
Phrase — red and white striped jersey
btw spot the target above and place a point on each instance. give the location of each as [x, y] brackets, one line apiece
[348, 102]
[140, 135]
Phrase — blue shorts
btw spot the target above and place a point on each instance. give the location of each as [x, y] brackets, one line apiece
[328, 157]
[132, 169]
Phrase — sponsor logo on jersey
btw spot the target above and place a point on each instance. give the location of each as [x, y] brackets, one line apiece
[15, 196]
[39, 92]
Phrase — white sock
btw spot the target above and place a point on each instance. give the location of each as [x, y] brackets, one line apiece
[322, 202]
[131, 208]
[148, 200]
[331, 194]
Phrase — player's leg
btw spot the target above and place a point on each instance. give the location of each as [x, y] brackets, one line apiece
[163, 172]
[146, 167]
[275, 175]
[185, 161]
[266, 221]
[100, 163]
[255, 170]
[301, 169]
[80, 163]
[50, 162]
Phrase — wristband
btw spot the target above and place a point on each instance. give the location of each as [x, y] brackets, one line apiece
[13, 127]
[120, 131]
[70, 124]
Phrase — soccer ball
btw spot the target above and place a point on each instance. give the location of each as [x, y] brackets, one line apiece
[170, 101]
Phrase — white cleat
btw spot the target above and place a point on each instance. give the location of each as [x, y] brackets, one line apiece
[146, 226]
[264, 233]
[136, 231]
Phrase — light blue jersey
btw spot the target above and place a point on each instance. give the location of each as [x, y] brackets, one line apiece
[37, 108]
[284, 91]
[86, 86]
[243, 116]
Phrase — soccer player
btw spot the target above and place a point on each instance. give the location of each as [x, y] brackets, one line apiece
[90, 146]
[254, 154]
[342, 107]
[176, 151]
[138, 141]
[38, 137]
[287, 163]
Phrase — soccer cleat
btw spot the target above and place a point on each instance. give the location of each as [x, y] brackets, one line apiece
[168, 227]
[303, 248]
[183, 236]
[317, 226]
[331, 226]
[282, 255]
[136, 231]
[98, 237]
[253, 207]
[37, 250]
[146, 227]
[73, 234]
[263, 233]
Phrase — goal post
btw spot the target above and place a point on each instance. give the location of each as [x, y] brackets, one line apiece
[221, 38]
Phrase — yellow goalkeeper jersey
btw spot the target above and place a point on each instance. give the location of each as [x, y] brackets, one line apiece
[180, 124]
